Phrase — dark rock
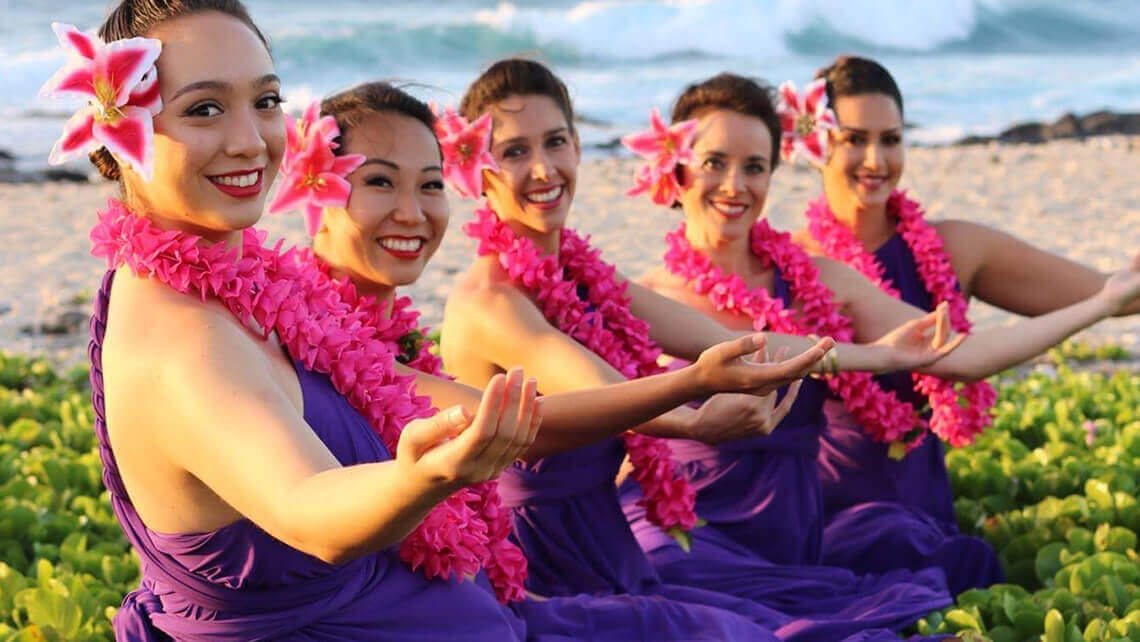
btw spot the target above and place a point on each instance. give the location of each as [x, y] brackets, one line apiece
[1100, 123]
[610, 145]
[583, 119]
[974, 140]
[1023, 133]
[67, 321]
[6, 157]
[63, 175]
[1066, 127]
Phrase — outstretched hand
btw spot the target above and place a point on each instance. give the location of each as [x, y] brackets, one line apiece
[1123, 288]
[455, 449]
[727, 367]
[922, 341]
[731, 417]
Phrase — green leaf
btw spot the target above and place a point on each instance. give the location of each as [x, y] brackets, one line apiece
[47, 608]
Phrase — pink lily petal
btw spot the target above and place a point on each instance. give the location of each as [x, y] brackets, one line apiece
[131, 138]
[334, 193]
[805, 119]
[646, 144]
[789, 99]
[126, 62]
[466, 151]
[347, 164]
[72, 38]
[147, 94]
[814, 145]
[466, 183]
[76, 77]
[813, 93]
[313, 214]
[77, 137]
[312, 112]
[290, 194]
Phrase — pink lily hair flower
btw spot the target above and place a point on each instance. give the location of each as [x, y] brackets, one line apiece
[313, 177]
[120, 83]
[806, 119]
[466, 150]
[665, 147]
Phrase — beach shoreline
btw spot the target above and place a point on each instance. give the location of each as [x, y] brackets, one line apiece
[1080, 198]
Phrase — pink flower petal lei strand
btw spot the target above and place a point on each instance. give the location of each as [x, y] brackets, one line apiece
[120, 83]
[882, 414]
[286, 293]
[664, 147]
[805, 120]
[466, 150]
[605, 325]
[959, 412]
[313, 176]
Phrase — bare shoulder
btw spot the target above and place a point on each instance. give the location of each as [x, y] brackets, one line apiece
[844, 282]
[832, 270]
[960, 236]
[482, 319]
[657, 278]
[667, 284]
[479, 294]
[802, 238]
[160, 345]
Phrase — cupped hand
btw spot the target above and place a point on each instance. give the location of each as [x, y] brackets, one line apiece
[922, 341]
[732, 417]
[1122, 288]
[455, 449]
[741, 365]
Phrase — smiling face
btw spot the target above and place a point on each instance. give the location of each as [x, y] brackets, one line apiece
[866, 157]
[538, 158]
[220, 135]
[397, 213]
[724, 193]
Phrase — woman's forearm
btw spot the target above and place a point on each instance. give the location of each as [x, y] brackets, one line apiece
[848, 357]
[343, 513]
[992, 350]
[581, 417]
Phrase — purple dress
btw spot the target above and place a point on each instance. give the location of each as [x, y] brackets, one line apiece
[762, 501]
[885, 514]
[238, 582]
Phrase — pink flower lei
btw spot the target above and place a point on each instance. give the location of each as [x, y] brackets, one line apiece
[882, 414]
[959, 412]
[284, 292]
[605, 325]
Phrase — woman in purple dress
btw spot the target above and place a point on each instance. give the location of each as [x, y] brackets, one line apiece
[262, 504]
[762, 498]
[383, 238]
[567, 517]
[885, 513]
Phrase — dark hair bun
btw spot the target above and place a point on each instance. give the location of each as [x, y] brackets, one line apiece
[106, 164]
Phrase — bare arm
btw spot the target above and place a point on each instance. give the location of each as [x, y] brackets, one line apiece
[679, 329]
[588, 400]
[986, 351]
[1013, 275]
[230, 425]
[882, 356]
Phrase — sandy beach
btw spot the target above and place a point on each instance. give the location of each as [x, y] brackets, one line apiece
[1077, 198]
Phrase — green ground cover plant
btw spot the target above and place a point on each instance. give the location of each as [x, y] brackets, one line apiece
[1052, 486]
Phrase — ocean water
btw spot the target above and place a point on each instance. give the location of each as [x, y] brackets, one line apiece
[964, 66]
